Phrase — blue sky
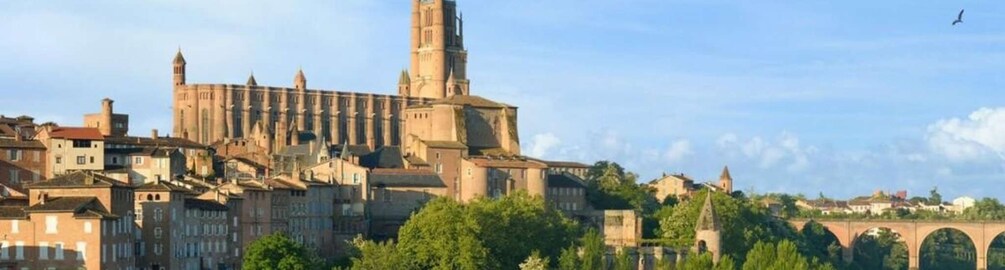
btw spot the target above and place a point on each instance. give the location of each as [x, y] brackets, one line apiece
[839, 97]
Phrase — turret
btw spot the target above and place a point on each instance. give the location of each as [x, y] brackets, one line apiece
[106, 116]
[251, 80]
[404, 83]
[300, 81]
[708, 232]
[179, 69]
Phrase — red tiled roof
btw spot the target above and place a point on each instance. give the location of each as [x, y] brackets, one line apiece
[402, 172]
[80, 133]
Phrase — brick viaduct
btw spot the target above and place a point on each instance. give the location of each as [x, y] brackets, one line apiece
[912, 232]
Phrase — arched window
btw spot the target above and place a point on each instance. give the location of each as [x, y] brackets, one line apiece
[150, 197]
[158, 214]
[157, 197]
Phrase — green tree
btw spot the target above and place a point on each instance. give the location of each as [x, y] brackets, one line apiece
[985, 209]
[880, 250]
[535, 262]
[782, 256]
[442, 236]
[372, 255]
[276, 251]
[934, 197]
[696, 262]
[485, 233]
[947, 249]
[743, 224]
[726, 263]
[593, 251]
[623, 260]
[568, 260]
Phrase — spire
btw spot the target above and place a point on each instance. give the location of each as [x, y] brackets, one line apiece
[344, 155]
[708, 220]
[251, 79]
[300, 81]
[404, 78]
[725, 174]
[451, 79]
[178, 58]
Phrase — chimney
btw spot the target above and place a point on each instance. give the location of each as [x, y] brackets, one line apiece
[153, 134]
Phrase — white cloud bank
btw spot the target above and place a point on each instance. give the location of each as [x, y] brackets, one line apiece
[980, 134]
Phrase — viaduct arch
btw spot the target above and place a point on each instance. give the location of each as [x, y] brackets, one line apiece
[913, 232]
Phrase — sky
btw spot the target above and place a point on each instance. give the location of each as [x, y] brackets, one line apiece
[841, 98]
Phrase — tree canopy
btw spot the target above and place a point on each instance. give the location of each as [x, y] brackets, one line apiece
[277, 251]
[483, 234]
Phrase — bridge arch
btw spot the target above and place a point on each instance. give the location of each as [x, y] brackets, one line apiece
[931, 241]
[913, 232]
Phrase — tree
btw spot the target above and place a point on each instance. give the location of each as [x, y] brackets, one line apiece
[276, 251]
[934, 197]
[593, 251]
[985, 209]
[485, 233]
[743, 224]
[880, 250]
[782, 256]
[698, 262]
[568, 260]
[534, 262]
[374, 255]
[726, 263]
[442, 236]
[623, 260]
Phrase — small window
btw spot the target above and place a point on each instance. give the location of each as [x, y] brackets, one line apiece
[81, 160]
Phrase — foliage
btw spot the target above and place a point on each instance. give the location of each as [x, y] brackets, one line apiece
[534, 262]
[985, 209]
[623, 260]
[820, 243]
[277, 251]
[934, 197]
[882, 249]
[568, 260]
[593, 251]
[947, 249]
[372, 255]
[783, 256]
[696, 262]
[610, 187]
[726, 263]
[743, 224]
[484, 234]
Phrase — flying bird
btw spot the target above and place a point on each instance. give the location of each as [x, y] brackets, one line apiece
[959, 18]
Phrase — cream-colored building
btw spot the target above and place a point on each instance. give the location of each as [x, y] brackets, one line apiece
[73, 149]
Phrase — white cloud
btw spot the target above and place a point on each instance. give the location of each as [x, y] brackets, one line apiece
[981, 133]
[786, 151]
[678, 150]
[541, 144]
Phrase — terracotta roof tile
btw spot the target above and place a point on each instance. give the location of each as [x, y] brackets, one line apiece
[80, 133]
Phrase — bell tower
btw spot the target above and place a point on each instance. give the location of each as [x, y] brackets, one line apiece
[437, 50]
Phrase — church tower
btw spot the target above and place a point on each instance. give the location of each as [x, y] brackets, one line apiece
[179, 69]
[726, 181]
[708, 232]
[437, 50]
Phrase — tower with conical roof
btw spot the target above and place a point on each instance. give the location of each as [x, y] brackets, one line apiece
[404, 83]
[179, 69]
[726, 181]
[708, 232]
[251, 80]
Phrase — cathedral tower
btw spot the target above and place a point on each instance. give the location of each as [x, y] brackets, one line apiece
[708, 232]
[437, 50]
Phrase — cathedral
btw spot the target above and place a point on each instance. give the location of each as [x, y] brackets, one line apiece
[433, 123]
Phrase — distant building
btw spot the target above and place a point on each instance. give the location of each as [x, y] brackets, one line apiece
[22, 158]
[962, 203]
[73, 149]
